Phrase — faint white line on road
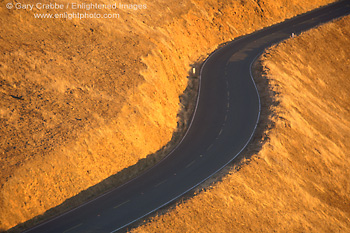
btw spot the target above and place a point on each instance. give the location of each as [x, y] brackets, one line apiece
[159, 183]
[115, 207]
[210, 147]
[188, 165]
[220, 132]
[73, 228]
[225, 117]
[228, 105]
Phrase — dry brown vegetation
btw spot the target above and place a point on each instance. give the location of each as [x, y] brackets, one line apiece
[299, 180]
[83, 99]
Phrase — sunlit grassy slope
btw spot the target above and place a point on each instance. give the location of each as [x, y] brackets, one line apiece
[299, 180]
[83, 99]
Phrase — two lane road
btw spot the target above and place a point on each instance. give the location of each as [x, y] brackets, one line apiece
[225, 119]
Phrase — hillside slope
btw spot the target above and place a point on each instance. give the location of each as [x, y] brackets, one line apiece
[299, 180]
[85, 99]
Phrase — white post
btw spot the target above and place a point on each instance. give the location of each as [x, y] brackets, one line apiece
[194, 70]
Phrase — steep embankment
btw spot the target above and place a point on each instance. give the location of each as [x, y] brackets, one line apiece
[299, 180]
[83, 99]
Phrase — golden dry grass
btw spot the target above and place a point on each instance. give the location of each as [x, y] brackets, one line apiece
[299, 180]
[83, 99]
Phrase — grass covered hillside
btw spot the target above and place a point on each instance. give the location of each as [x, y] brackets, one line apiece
[82, 100]
[299, 180]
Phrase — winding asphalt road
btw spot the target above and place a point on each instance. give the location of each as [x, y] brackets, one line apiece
[225, 119]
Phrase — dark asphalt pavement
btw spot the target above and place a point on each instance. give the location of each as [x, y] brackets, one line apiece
[224, 122]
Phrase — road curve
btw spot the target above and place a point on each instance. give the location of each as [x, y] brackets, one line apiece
[226, 116]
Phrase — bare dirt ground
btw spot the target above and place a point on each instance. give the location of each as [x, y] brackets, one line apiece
[82, 100]
[299, 180]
